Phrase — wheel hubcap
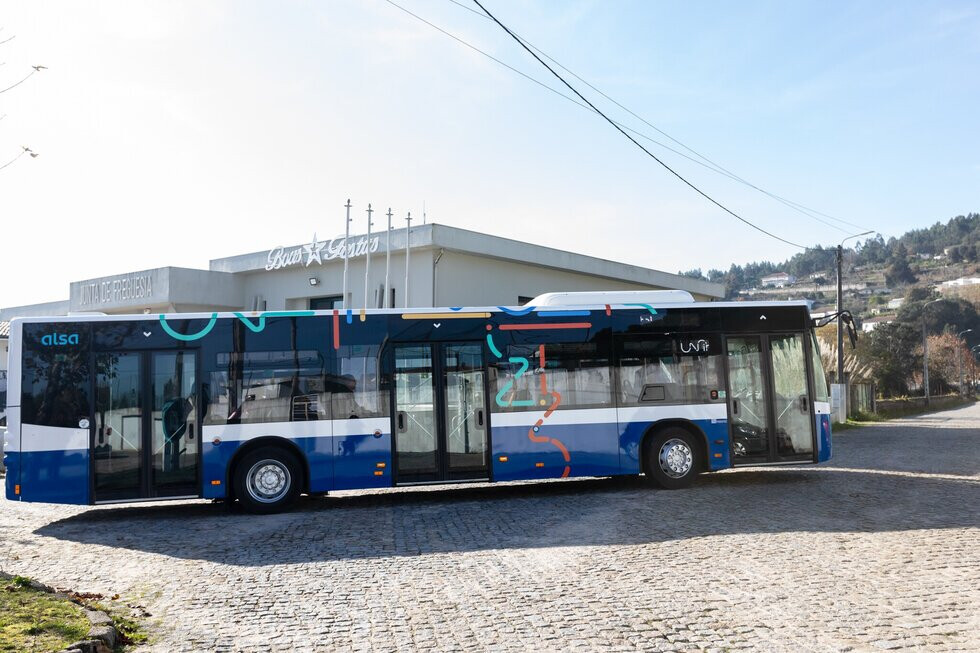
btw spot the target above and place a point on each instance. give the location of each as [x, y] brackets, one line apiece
[268, 481]
[676, 458]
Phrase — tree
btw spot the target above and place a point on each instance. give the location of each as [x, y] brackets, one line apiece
[947, 354]
[894, 351]
[947, 314]
[899, 273]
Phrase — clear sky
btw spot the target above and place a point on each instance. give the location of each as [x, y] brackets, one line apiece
[170, 133]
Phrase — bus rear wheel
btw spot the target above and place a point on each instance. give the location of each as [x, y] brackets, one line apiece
[267, 480]
[672, 459]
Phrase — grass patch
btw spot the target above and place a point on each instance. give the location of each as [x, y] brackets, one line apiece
[32, 620]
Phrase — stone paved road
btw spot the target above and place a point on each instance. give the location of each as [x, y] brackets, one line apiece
[879, 550]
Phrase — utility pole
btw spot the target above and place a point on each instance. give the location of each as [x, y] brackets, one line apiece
[925, 350]
[840, 326]
[959, 359]
[367, 259]
[344, 301]
[840, 304]
[925, 360]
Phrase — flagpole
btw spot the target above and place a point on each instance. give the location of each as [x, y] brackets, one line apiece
[343, 301]
[408, 252]
[367, 260]
[384, 304]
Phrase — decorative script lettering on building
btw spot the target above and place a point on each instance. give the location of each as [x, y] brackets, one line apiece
[319, 251]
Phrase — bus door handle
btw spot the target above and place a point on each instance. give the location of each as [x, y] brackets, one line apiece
[479, 417]
[190, 431]
[804, 404]
[400, 420]
[734, 406]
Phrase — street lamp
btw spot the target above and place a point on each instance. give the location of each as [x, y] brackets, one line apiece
[840, 327]
[925, 350]
[959, 359]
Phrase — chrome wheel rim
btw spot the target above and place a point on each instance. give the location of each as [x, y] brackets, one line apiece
[676, 458]
[268, 481]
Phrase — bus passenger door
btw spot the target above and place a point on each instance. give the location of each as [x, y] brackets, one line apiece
[441, 428]
[146, 435]
[771, 418]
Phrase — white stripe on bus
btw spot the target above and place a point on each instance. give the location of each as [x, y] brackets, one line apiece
[292, 430]
[52, 438]
[717, 411]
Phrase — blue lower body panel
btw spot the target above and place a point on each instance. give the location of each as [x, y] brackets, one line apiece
[51, 476]
[335, 463]
[716, 439]
[591, 451]
[824, 441]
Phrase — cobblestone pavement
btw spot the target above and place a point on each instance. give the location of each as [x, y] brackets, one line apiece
[878, 550]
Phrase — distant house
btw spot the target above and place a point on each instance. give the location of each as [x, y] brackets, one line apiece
[869, 325]
[896, 303]
[778, 280]
[958, 283]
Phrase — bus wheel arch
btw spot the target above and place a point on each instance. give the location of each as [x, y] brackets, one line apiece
[270, 442]
[672, 432]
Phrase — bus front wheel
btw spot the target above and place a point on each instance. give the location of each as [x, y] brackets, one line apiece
[672, 458]
[267, 480]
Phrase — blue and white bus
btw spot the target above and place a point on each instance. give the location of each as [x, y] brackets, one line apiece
[262, 407]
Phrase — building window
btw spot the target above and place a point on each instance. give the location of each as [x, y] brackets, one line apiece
[326, 303]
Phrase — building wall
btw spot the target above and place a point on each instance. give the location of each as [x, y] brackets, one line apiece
[466, 280]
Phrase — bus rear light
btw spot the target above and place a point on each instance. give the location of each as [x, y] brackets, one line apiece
[215, 482]
[381, 465]
[379, 473]
[539, 464]
[17, 489]
[717, 455]
[502, 459]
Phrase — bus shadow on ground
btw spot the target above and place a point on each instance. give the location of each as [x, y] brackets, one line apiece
[571, 513]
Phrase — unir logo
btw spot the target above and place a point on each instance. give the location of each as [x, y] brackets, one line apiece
[52, 339]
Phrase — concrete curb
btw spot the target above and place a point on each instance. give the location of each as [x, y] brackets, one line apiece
[102, 635]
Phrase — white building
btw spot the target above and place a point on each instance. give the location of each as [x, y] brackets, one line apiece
[778, 280]
[894, 304]
[446, 267]
[869, 325]
[955, 284]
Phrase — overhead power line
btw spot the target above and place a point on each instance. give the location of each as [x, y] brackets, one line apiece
[633, 140]
[29, 75]
[708, 166]
[705, 163]
[708, 163]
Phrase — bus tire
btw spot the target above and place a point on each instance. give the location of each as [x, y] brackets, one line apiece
[672, 458]
[267, 480]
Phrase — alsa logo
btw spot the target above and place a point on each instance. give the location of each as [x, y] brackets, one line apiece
[52, 339]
